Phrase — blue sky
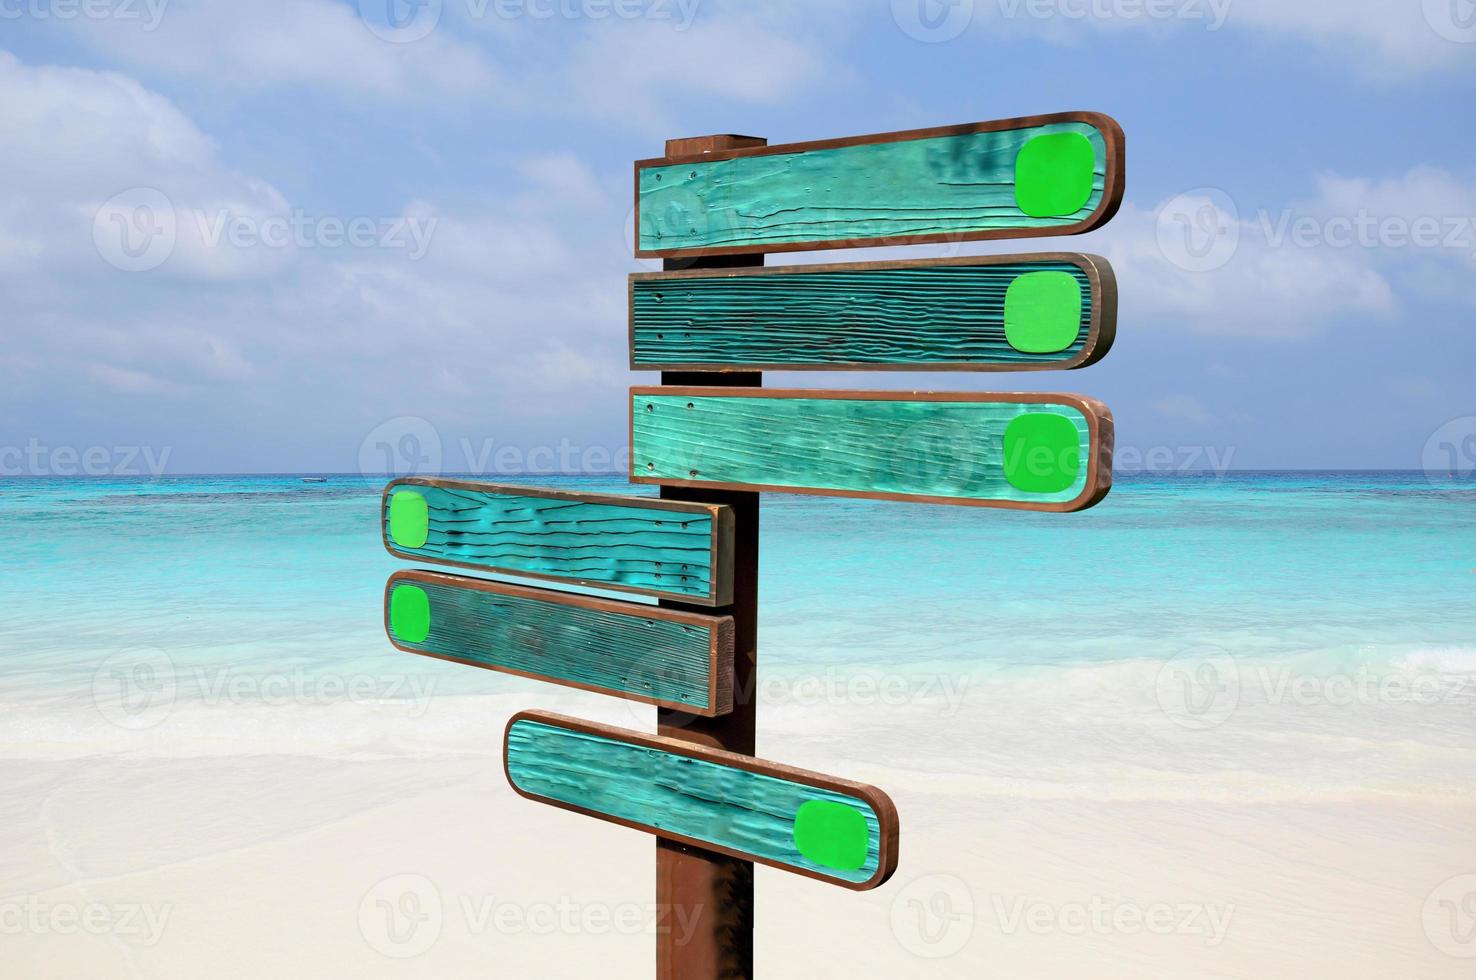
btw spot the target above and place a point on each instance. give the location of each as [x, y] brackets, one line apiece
[381, 233]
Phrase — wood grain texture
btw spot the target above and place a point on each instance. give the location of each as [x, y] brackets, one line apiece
[721, 801]
[919, 315]
[637, 652]
[920, 446]
[630, 544]
[954, 183]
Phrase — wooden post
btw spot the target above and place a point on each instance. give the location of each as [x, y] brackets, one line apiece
[704, 901]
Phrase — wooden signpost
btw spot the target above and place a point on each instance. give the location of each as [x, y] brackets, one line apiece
[711, 438]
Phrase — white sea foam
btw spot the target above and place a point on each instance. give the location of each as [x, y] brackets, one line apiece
[1115, 731]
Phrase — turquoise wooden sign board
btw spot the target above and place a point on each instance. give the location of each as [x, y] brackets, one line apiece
[684, 638]
[662, 548]
[1032, 452]
[835, 830]
[1042, 175]
[641, 653]
[999, 313]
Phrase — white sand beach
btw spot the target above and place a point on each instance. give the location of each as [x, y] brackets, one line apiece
[1063, 826]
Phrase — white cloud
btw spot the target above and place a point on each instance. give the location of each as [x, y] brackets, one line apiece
[509, 315]
[636, 73]
[1425, 211]
[1260, 290]
[130, 381]
[1358, 247]
[62, 125]
[1415, 388]
[1184, 408]
[226, 44]
[1414, 37]
[77, 139]
[563, 176]
[1368, 36]
[624, 72]
[515, 313]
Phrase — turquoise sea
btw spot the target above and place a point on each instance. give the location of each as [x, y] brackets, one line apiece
[194, 669]
[273, 573]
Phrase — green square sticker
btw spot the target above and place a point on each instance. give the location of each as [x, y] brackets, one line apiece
[1054, 174]
[409, 519]
[1042, 452]
[409, 614]
[832, 834]
[1042, 312]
